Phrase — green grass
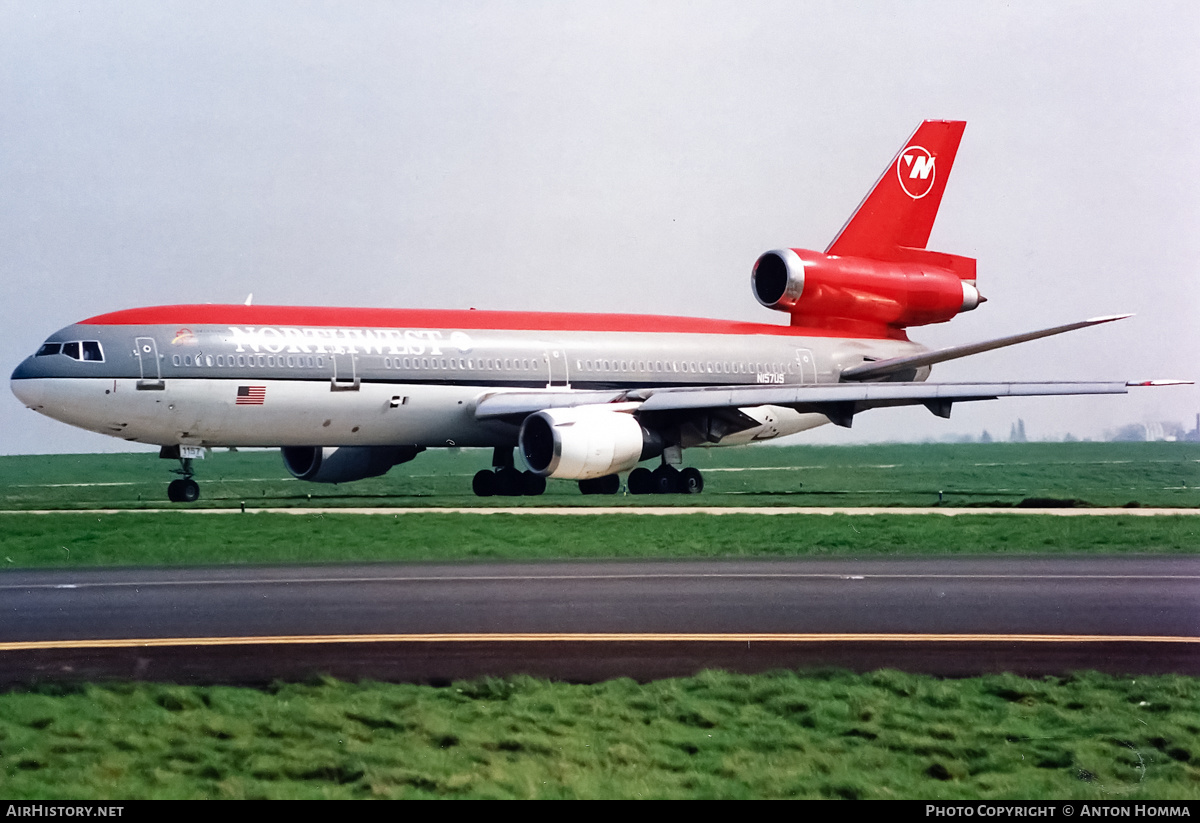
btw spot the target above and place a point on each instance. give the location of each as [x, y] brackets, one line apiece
[74, 540]
[998, 474]
[821, 735]
[805, 735]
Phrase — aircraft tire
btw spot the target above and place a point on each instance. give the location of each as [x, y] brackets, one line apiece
[691, 481]
[532, 484]
[608, 484]
[509, 482]
[641, 481]
[191, 491]
[184, 490]
[666, 480]
[484, 483]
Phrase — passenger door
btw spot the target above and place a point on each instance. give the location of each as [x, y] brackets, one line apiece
[150, 367]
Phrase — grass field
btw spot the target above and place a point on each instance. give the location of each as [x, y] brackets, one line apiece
[819, 735]
[994, 474]
[716, 735]
[76, 540]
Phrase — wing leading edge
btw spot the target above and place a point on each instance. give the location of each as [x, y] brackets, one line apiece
[838, 401]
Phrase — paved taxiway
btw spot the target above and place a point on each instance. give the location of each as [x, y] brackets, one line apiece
[588, 621]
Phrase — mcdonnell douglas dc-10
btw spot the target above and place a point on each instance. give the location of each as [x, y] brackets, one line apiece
[349, 393]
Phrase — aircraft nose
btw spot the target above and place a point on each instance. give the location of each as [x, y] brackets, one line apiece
[27, 390]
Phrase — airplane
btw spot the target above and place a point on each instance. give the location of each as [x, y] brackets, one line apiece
[348, 393]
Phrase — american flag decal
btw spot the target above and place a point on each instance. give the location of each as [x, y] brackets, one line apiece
[251, 395]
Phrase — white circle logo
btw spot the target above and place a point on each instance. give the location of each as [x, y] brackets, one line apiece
[916, 171]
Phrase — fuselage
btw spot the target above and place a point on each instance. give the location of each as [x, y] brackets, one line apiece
[211, 375]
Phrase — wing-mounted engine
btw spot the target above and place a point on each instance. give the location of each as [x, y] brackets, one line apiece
[344, 464]
[585, 442]
[849, 293]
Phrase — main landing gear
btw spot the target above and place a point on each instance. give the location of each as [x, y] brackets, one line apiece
[185, 489]
[663, 480]
[505, 480]
[666, 479]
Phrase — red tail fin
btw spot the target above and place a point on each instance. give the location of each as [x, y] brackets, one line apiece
[894, 221]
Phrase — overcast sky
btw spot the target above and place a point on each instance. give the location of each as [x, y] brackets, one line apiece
[605, 156]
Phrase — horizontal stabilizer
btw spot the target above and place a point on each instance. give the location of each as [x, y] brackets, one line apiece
[895, 365]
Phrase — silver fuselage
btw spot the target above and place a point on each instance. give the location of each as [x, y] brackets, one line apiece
[234, 382]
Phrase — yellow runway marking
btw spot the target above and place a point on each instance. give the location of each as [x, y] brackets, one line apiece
[159, 642]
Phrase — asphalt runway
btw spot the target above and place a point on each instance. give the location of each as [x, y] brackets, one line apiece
[590, 621]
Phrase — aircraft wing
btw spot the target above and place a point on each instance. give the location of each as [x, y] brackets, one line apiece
[839, 401]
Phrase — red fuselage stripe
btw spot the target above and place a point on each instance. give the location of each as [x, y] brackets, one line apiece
[451, 319]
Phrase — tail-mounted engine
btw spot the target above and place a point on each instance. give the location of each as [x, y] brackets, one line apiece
[828, 291]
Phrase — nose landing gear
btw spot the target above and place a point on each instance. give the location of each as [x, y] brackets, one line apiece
[185, 489]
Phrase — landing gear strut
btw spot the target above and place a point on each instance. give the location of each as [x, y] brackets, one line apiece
[505, 480]
[185, 489]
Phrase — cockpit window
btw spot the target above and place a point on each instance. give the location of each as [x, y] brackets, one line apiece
[88, 350]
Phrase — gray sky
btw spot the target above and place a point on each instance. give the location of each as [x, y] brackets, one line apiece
[605, 156]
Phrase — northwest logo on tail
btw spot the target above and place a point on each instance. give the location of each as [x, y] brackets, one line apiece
[916, 171]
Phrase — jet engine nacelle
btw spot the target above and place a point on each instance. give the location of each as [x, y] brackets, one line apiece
[821, 290]
[343, 464]
[585, 442]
